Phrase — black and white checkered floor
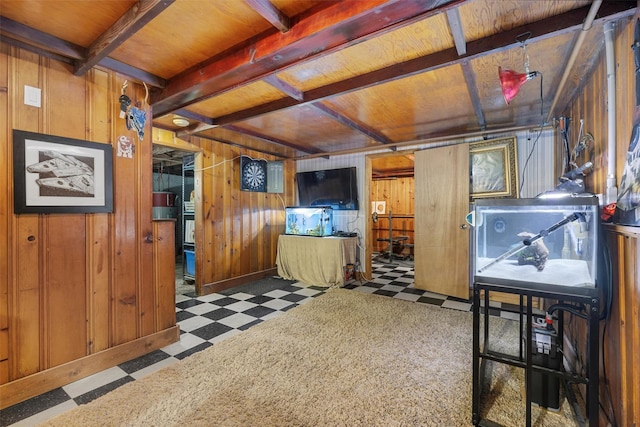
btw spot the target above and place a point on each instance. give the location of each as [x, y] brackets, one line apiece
[209, 319]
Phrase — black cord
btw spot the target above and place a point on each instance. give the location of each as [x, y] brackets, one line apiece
[524, 169]
[565, 139]
[608, 289]
[606, 316]
[541, 98]
[610, 413]
[578, 310]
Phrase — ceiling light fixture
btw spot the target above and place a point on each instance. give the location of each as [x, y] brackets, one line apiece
[511, 81]
[180, 122]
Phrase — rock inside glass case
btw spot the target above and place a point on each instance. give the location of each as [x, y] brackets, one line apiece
[537, 243]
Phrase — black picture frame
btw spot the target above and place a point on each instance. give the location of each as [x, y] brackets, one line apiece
[54, 174]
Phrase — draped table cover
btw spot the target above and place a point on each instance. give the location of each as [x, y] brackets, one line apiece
[316, 261]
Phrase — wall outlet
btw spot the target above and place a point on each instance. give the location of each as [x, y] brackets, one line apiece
[32, 96]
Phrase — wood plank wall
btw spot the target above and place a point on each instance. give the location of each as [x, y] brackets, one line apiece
[621, 386]
[76, 285]
[240, 229]
[236, 231]
[398, 195]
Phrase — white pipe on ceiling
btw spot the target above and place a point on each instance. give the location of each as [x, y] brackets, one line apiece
[586, 26]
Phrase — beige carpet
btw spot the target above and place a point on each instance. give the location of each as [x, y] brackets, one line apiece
[344, 359]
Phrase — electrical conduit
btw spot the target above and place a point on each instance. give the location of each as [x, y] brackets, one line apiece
[612, 191]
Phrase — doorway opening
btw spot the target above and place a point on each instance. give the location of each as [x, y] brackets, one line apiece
[173, 198]
[391, 194]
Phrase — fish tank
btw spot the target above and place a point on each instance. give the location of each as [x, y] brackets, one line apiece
[309, 221]
[544, 244]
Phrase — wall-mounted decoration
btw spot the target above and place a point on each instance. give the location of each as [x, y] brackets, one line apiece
[135, 115]
[53, 174]
[126, 147]
[253, 174]
[379, 207]
[494, 168]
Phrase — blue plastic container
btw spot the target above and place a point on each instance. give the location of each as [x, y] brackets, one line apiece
[191, 262]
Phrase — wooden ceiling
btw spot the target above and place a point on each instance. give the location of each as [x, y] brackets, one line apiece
[301, 78]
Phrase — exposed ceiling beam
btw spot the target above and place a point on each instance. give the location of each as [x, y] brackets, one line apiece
[455, 25]
[135, 73]
[40, 39]
[271, 13]
[58, 49]
[37, 50]
[317, 32]
[285, 87]
[194, 116]
[472, 88]
[540, 30]
[432, 140]
[392, 173]
[239, 145]
[142, 12]
[194, 129]
[201, 124]
[360, 127]
[252, 133]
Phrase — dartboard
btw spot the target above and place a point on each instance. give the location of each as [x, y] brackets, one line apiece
[254, 175]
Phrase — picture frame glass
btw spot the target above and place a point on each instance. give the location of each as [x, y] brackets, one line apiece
[493, 168]
[54, 174]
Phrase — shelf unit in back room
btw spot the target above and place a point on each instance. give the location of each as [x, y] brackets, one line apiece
[188, 220]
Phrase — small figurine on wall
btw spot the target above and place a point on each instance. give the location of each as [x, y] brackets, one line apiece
[125, 147]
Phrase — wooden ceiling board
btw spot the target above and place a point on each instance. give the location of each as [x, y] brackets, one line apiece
[403, 109]
[53, 17]
[292, 8]
[592, 47]
[165, 122]
[396, 162]
[424, 37]
[184, 35]
[482, 18]
[244, 97]
[547, 56]
[305, 125]
[392, 166]
[228, 136]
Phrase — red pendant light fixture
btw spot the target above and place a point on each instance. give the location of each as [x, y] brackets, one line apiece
[511, 82]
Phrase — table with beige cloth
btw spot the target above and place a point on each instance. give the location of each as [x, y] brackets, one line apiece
[315, 260]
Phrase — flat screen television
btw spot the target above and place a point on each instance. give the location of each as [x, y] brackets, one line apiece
[336, 188]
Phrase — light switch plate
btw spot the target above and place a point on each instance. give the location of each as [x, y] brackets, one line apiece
[32, 96]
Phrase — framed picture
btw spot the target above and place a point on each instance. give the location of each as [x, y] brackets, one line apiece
[494, 168]
[52, 174]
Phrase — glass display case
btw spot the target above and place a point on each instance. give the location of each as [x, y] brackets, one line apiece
[546, 244]
[311, 221]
